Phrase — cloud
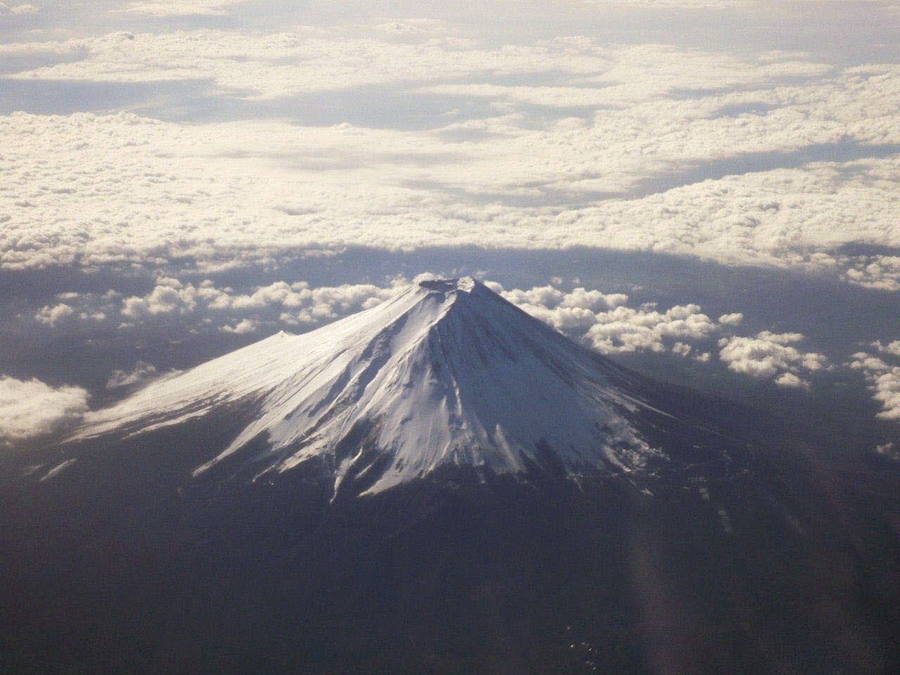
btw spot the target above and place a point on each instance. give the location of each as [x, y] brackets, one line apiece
[791, 381]
[892, 348]
[633, 147]
[627, 329]
[305, 60]
[718, 4]
[175, 8]
[883, 379]
[734, 319]
[606, 324]
[30, 409]
[600, 320]
[682, 349]
[206, 306]
[242, 327]
[413, 27]
[674, 4]
[603, 321]
[54, 315]
[872, 271]
[7, 9]
[578, 298]
[296, 304]
[889, 451]
[123, 190]
[594, 300]
[167, 297]
[63, 313]
[887, 392]
[772, 356]
[141, 372]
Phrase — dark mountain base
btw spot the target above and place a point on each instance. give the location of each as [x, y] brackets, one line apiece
[774, 565]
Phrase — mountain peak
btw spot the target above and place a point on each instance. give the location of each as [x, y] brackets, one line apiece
[392, 393]
[464, 284]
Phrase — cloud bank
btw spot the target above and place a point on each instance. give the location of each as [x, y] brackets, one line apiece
[765, 159]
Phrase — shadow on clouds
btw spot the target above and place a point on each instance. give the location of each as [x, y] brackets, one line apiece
[64, 97]
[540, 194]
[756, 162]
[395, 106]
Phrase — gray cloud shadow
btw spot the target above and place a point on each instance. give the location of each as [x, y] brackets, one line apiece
[63, 97]
[393, 106]
[545, 196]
[397, 105]
[551, 197]
[748, 108]
[757, 162]
[21, 62]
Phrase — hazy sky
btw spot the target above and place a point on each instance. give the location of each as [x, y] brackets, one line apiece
[201, 159]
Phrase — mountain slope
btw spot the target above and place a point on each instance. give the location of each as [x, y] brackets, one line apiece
[445, 373]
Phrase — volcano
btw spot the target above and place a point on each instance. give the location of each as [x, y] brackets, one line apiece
[447, 373]
[441, 483]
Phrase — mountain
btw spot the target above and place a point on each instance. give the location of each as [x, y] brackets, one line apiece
[445, 373]
[441, 483]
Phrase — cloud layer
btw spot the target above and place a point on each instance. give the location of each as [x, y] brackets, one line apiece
[771, 159]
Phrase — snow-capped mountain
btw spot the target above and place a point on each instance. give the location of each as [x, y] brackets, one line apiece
[445, 373]
[538, 509]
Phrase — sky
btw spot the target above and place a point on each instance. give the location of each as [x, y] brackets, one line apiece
[706, 190]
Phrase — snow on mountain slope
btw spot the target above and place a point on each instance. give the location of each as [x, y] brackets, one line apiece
[445, 372]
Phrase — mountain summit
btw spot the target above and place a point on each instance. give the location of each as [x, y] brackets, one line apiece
[446, 372]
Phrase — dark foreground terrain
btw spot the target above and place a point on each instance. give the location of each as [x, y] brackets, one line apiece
[748, 558]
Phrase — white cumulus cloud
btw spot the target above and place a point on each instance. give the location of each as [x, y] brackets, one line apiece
[31, 409]
[892, 348]
[628, 329]
[223, 308]
[733, 319]
[883, 379]
[54, 315]
[772, 356]
[605, 323]
[242, 327]
[141, 372]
